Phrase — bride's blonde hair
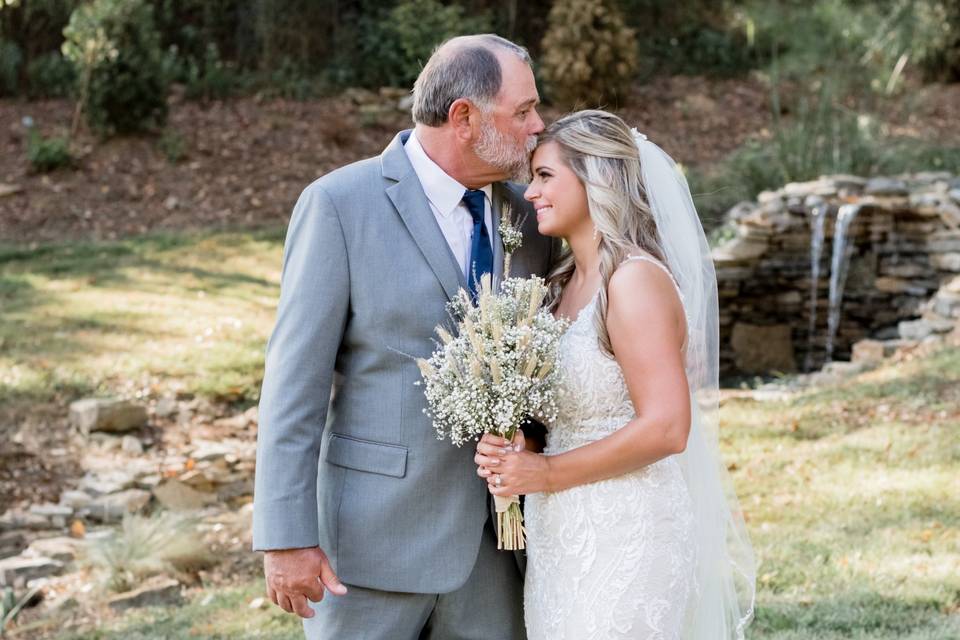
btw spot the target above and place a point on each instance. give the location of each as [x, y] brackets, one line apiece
[601, 151]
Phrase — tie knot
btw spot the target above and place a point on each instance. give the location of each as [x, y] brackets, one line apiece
[474, 199]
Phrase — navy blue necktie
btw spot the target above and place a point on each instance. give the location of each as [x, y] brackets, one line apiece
[481, 253]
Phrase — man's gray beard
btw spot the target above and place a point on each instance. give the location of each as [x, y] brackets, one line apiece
[498, 150]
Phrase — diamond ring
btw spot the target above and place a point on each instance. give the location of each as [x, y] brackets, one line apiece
[499, 480]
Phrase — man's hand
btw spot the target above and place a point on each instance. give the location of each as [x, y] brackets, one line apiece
[294, 575]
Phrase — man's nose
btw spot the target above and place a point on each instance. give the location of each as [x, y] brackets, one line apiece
[537, 123]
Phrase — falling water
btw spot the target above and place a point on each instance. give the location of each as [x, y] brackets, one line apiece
[838, 271]
[818, 217]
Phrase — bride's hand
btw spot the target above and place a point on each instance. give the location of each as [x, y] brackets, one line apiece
[491, 447]
[517, 472]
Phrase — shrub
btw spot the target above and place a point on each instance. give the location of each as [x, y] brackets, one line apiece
[47, 154]
[212, 78]
[10, 61]
[148, 546]
[589, 54]
[116, 48]
[50, 76]
[397, 44]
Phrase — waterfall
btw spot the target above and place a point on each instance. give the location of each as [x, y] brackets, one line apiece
[818, 216]
[839, 263]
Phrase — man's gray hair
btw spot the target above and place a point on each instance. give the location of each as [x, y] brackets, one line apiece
[462, 67]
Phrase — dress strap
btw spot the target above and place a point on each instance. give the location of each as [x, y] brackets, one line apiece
[659, 264]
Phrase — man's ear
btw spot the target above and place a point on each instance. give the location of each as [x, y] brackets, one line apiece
[461, 116]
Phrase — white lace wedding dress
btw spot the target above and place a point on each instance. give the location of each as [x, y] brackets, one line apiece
[615, 558]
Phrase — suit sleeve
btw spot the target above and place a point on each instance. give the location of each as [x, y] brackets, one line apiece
[300, 358]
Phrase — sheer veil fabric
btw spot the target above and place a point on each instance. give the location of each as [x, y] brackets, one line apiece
[726, 573]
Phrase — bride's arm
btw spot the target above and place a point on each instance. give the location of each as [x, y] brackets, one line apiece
[647, 329]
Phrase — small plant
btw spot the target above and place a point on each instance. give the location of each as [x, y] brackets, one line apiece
[173, 145]
[47, 154]
[148, 546]
[213, 78]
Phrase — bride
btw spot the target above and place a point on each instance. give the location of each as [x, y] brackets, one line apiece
[632, 529]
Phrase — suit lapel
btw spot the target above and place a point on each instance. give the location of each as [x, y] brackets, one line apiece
[414, 209]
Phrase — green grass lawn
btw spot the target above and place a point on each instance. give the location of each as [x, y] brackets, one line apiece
[852, 494]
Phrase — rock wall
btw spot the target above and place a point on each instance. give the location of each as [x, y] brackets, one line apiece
[903, 247]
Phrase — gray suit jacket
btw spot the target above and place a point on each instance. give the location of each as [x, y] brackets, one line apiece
[346, 458]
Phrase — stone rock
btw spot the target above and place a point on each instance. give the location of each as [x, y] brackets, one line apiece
[886, 187]
[106, 414]
[946, 261]
[112, 507]
[843, 369]
[17, 571]
[107, 482]
[762, 349]
[914, 329]
[944, 242]
[57, 514]
[75, 499]
[16, 519]
[155, 593]
[9, 189]
[166, 407]
[131, 444]
[177, 496]
[867, 352]
[61, 548]
[740, 249]
[899, 345]
[405, 103]
[12, 543]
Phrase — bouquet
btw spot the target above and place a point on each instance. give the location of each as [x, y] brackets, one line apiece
[498, 370]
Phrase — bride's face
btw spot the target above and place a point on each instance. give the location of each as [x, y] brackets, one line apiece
[557, 194]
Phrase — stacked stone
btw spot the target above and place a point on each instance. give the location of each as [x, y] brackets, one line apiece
[904, 248]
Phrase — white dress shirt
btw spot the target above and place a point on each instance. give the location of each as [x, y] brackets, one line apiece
[446, 201]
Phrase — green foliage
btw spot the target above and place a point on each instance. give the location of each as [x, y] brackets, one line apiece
[589, 54]
[212, 77]
[50, 76]
[47, 154]
[116, 48]
[396, 44]
[292, 82]
[172, 145]
[11, 59]
[693, 36]
[863, 46]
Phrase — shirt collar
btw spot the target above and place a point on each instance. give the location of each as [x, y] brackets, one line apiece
[443, 192]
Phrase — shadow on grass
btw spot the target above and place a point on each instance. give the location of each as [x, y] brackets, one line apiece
[866, 615]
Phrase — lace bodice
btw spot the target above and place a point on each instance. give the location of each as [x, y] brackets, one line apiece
[610, 559]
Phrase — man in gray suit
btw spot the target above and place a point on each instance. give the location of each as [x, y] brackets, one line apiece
[354, 493]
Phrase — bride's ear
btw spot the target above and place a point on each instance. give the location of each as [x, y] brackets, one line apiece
[463, 116]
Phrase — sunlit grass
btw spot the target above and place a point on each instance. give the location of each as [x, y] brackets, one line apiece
[853, 502]
[187, 313]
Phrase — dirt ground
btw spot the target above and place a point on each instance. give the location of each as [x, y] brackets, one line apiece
[244, 162]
